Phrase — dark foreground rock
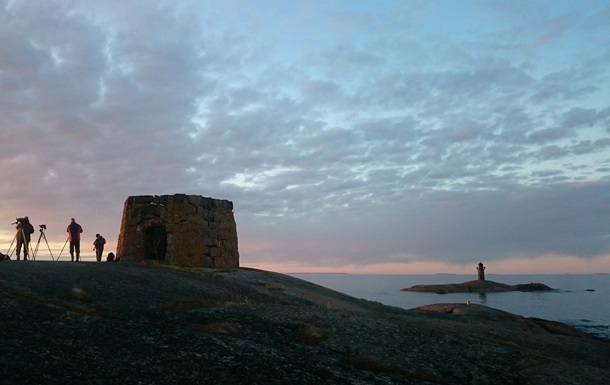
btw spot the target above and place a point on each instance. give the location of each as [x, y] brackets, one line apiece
[477, 287]
[117, 323]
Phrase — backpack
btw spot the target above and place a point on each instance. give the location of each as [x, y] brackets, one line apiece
[27, 226]
[100, 241]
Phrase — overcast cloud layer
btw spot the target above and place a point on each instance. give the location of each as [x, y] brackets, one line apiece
[345, 132]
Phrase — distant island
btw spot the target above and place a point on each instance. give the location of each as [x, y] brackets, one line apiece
[477, 287]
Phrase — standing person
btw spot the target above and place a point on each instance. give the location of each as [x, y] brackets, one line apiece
[74, 230]
[99, 246]
[24, 232]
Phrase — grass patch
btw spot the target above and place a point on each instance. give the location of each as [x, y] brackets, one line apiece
[269, 286]
[524, 364]
[75, 311]
[239, 301]
[28, 294]
[312, 335]
[193, 303]
[221, 328]
[206, 303]
[72, 309]
[373, 365]
[79, 294]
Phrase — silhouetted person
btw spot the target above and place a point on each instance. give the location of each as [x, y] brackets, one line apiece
[24, 233]
[74, 230]
[99, 246]
[110, 257]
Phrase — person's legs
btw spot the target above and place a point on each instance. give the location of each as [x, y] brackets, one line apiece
[77, 249]
[19, 244]
[72, 250]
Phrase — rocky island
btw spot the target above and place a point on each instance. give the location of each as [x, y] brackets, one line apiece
[151, 323]
[478, 286]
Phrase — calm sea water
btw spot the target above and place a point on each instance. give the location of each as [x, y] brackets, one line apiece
[582, 301]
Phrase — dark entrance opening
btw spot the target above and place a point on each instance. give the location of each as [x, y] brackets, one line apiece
[155, 238]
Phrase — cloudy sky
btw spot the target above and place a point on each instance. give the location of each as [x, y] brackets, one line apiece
[353, 136]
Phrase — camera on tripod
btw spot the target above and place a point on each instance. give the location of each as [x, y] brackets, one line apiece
[42, 227]
[19, 220]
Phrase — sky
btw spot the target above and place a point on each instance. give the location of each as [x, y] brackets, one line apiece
[397, 137]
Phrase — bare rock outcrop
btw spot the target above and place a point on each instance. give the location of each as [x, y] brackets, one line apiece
[473, 312]
[132, 323]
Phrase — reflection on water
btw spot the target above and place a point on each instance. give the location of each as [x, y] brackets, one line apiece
[483, 298]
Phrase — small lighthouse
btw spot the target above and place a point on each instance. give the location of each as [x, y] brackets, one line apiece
[481, 272]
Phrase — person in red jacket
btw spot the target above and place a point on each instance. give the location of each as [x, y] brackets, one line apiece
[74, 230]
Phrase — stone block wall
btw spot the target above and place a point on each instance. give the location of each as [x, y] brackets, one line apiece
[179, 229]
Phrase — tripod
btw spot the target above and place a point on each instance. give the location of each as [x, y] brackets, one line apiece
[42, 235]
[25, 244]
[62, 249]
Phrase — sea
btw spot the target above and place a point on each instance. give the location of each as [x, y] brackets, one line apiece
[579, 300]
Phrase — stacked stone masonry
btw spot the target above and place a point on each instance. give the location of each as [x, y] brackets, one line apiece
[179, 229]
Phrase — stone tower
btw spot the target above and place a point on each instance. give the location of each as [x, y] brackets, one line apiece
[179, 229]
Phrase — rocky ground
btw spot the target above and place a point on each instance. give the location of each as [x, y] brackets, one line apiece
[117, 323]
